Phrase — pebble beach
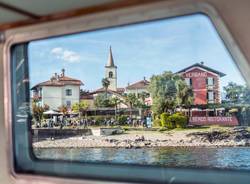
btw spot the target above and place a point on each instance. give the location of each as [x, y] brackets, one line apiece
[229, 137]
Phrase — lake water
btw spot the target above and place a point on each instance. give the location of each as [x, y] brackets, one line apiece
[233, 158]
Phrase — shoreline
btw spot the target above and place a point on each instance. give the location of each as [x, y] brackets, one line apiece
[226, 137]
[145, 147]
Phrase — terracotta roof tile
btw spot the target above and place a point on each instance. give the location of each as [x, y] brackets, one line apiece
[143, 84]
[119, 90]
[60, 81]
[204, 67]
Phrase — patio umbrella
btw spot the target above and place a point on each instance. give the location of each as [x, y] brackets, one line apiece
[51, 112]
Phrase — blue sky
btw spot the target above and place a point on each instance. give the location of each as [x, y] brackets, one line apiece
[139, 50]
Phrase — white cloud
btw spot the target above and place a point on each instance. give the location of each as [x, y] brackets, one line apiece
[66, 55]
[57, 50]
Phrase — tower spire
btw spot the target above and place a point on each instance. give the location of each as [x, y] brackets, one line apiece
[111, 71]
[110, 62]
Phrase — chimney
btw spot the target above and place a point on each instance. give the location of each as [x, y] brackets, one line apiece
[202, 62]
[56, 76]
[144, 78]
[53, 77]
[63, 72]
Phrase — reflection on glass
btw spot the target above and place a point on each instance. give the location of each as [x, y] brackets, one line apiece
[166, 93]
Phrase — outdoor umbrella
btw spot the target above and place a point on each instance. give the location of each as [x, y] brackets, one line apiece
[51, 112]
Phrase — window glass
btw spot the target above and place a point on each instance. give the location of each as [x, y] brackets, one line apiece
[110, 74]
[68, 92]
[188, 81]
[210, 81]
[150, 99]
[210, 95]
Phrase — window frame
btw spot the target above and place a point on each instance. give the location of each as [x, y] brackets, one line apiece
[210, 93]
[211, 80]
[68, 103]
[68, 92]
[143, 13]
[111, 74]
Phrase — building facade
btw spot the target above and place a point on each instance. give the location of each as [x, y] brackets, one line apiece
[205, 83]
[59, 90]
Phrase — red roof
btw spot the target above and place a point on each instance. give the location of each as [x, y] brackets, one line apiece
[201, 65]
[143, 84]
[119, 90]
[59, 81]
[87, 97]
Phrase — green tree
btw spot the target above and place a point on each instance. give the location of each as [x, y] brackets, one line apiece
[246, 95]
[80, 107]
[115, 101]
[168, 90]
[142, 96]
[132, 101]
[102, 101]
[37, 111]
[234, 92]
[184, 94]
[105, 84]
[63, 109]
[84, 92]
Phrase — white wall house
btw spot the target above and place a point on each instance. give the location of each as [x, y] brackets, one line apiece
[59, 90]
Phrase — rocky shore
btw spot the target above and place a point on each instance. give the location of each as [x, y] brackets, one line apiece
[229, 137]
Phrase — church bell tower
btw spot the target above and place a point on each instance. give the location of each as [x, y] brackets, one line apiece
[111, 72]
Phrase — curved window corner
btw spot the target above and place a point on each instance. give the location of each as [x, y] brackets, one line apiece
[164, 109]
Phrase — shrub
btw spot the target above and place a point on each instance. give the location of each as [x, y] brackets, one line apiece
[125, 128]
[170, 123]
[162, 129]
[164, 117]
[122, 120]
[176, 120]
[157, 122]
[99, 120]
[179, 120]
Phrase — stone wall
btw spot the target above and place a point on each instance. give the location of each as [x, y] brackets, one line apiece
[41, 133]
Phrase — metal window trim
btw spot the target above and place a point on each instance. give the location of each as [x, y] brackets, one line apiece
[130, 15]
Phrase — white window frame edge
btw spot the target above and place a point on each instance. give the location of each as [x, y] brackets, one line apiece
[154, 11]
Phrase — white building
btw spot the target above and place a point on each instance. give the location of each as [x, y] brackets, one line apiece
[59, 90]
